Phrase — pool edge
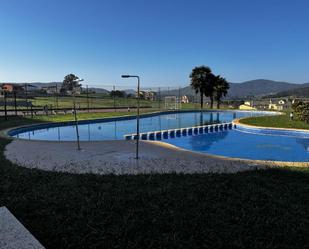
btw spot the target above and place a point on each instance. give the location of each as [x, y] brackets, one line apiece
[268, 163]
[238, 122]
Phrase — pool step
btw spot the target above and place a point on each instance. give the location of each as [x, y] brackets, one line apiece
[189, 131]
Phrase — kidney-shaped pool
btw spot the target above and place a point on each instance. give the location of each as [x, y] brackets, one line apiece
[240, 142]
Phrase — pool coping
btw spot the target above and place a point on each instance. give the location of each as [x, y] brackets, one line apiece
[238, 122]
[13, 234]
[5, 134]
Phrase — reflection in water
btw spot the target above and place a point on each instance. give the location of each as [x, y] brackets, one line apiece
[211, 120]
[218, 118]
[201, 118]
[203, 142]
[304, 142]
[89, 132]
[117, 129]
[195, 117]
[59, 139]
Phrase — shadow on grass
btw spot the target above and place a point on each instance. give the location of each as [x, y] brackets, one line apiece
[259, 209]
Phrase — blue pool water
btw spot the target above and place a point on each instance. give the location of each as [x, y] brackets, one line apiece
[116, 129]
[241, 142]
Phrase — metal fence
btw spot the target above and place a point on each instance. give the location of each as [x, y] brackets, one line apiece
[27, 100]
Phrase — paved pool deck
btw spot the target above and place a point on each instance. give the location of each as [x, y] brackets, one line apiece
[13, 235]
[118, 157]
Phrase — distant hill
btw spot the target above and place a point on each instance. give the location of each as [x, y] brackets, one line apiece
[183, 91]
[97, 90]
[93, 89]
[258, 88]
[302, 92]
[130, 91]
[39, 85]
[247, 89]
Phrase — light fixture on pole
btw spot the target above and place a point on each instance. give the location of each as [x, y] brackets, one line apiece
[138, 114]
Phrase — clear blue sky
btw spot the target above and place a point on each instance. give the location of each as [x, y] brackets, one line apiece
[43, 40]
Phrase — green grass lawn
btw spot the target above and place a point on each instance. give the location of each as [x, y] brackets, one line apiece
[257, 209]
[16, 121]
[67, 102]
[86, 116]
[81, 101]
[280, 121]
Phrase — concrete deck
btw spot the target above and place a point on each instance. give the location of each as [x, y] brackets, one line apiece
[117, 157]
[13, 235]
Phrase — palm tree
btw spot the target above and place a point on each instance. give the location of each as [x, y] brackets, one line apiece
[221, 87]
[199, 76]
[209, 88]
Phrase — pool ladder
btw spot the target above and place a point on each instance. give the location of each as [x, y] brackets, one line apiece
[189, 131]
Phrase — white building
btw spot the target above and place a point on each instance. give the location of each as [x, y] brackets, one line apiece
[184, 99]
[279, 105]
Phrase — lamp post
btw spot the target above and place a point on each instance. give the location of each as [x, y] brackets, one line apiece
[137, 118]
[75, 115]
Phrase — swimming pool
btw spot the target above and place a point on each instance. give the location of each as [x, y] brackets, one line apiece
[242, 142]
[116, 128]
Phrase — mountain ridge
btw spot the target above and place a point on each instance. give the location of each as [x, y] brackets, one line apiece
[248, 89]
[302, 92]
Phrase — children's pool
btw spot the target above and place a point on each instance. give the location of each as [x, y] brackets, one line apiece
[249, 144]
[242, 142]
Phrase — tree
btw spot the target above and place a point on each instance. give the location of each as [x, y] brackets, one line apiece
[200, 81]
[117, 93]
[301, 111]
[221, 87]
[70, 83]
[209, 88]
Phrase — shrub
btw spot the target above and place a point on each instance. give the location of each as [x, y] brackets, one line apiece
[301, 111]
